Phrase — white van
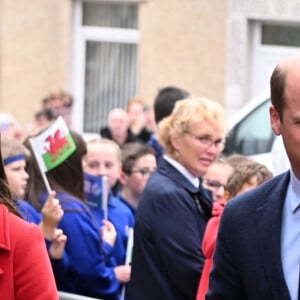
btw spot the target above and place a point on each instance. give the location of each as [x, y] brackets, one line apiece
[250, 133]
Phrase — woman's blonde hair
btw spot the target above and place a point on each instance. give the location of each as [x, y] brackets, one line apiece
[192, 110]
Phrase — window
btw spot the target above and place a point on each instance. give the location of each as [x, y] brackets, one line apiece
[253, 134]
[106, 52]
[116, 15]
[281, 35]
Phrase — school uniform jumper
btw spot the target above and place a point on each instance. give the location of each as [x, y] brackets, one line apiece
[83, 269]
[28, 212]
[122, 218]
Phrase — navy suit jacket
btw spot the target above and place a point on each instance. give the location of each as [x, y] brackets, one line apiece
[169, 226]
[247, 259]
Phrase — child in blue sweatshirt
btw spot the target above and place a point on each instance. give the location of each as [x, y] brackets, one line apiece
[103, 158]
[86, 267]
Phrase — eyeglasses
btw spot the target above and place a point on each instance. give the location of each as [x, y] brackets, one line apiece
[212, 184]
[142, 171]
[207, 141]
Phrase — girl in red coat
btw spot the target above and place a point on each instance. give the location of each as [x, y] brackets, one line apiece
[25, 270]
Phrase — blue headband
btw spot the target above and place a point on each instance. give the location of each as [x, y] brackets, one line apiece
[12, 159]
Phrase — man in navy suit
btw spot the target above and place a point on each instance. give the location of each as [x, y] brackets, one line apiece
[258, 246]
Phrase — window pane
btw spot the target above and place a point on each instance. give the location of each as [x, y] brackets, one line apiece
[254, 134]
[281, 35]
[110, 80]
[120, 15]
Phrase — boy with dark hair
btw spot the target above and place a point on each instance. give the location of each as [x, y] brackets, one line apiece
[138, 162]
[163, 105]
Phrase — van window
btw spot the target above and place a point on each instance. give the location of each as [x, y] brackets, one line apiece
[253, 134]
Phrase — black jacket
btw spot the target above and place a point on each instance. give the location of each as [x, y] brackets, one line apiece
[105, 133]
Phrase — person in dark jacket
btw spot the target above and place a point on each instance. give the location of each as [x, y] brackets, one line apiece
[174, 208]
[135, 110]
[118, 127]
[164, 103]
[257, 251]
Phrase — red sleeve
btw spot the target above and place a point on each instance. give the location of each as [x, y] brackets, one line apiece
[211, 230]
[210, 236]
[33, 274]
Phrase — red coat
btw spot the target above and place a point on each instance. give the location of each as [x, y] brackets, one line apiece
[208, 247]
[25, 269]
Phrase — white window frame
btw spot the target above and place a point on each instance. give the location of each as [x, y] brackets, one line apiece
[80, 36]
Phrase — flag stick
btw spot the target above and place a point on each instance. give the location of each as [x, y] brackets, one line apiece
[128, 257]
[46, 182]
[104, 197]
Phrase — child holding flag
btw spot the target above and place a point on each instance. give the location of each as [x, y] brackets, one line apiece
[103, 159]
[83, 269]
[25, 268]
[14, 160]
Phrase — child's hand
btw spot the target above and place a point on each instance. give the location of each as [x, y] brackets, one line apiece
[58, 244]
[52, 211]
[52, 214]
[123, 273]
[108, 232]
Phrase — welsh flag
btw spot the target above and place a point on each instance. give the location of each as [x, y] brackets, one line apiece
[53, 146]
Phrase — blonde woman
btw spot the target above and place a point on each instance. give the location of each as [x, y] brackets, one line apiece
[174, 208]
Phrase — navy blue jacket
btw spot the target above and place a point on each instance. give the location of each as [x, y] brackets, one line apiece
[169, 226]
[157, 147]
[247, 260]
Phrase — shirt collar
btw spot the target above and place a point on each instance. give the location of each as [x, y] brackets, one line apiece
[295, 189]
[181, 169]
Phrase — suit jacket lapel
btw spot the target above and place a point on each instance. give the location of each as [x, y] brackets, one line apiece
[270, 236]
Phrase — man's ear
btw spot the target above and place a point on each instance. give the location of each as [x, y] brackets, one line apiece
[275, 120]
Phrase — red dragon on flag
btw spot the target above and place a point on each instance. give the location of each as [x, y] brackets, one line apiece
[53, 146]
[56, 144]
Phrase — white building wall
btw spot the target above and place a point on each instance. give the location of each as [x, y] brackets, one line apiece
[242, 15]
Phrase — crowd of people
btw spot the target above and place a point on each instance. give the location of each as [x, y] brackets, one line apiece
[206, 226]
